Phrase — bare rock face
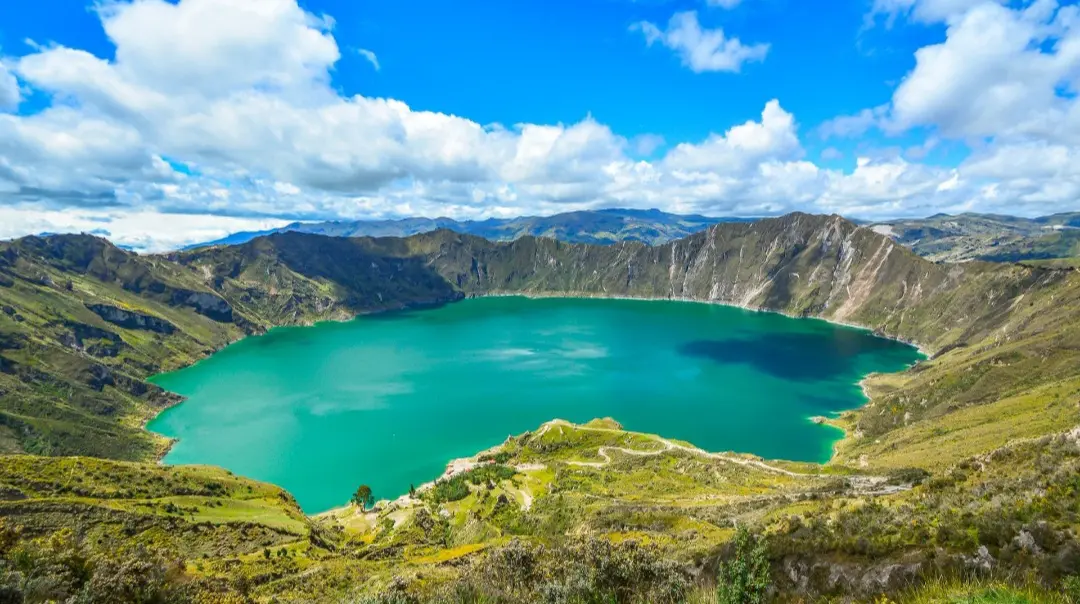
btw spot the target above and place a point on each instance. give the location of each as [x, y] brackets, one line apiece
[204, 303]
[1026, 541]
[982, 560]
[853, 578]
[132, 320]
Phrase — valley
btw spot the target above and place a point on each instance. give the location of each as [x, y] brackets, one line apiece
[387, 399]
[989, 417]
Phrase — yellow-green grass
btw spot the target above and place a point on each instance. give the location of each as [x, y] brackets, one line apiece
[938, 442]
[265, 511]
[977, 590]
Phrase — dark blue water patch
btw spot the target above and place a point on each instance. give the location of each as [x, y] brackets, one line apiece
[795, 356]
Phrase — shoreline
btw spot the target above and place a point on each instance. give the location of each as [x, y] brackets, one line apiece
[585, 296]
[342, 318]
[831, 422]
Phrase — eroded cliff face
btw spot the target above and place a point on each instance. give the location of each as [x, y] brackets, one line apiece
[802, 265]
[196, 302]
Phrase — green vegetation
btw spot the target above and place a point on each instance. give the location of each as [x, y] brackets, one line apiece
[363, 498]
[1057, 244]
[988, 237]
[964, 466]
[456, 487]
[745, 578]
[61, 569]
[976, 590]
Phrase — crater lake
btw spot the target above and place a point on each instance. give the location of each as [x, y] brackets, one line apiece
[387, 400]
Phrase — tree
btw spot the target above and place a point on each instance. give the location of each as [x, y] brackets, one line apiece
[363, 497]
[412, 491]
[744, 579]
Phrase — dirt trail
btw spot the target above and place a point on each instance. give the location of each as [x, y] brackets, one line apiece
[668, 446]
[858, 485]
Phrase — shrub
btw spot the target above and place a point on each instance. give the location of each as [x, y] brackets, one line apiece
[744, 579]
[457, 487]
[453, 489]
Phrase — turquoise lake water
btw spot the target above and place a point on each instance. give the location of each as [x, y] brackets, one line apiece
[388, 400]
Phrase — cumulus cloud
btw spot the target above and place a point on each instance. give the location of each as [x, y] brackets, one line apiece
[701, 49]
[220, 115]
[1000, 72]
[741, 147]
[1004, 80]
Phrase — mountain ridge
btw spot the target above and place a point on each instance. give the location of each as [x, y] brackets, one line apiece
[84, 323]
[603, 226]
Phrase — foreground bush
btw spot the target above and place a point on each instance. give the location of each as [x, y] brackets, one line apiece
[744, 579]
[59, 568]
[591, 571]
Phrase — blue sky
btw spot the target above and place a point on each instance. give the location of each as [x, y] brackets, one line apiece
[233, 114]
[550, 62]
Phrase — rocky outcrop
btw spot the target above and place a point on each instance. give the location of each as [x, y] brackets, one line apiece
[132, 320]
[204, 303]
[816, 577]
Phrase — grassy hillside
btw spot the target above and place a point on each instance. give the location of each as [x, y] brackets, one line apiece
[963, 464]
[988, 237]
[1053, 245]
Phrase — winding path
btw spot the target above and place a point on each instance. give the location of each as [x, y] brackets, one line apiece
[668, 447]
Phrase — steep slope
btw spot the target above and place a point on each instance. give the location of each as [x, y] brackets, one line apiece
[997, 331]
[798, 264]
[86, 319]
[84, 323]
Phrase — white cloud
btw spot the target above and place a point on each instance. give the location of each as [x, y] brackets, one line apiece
[1005, 81]
[220, 115]
[846, 126]
[9, 89]
[741, 147]
[214, 48]
[999, 72]
[701, 49]
[925, 11]
[370, 57]
[141, 231]
[727, 4]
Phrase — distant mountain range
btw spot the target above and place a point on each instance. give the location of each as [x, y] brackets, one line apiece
[990, 237]
[941, 237]
[597, 226]
[977, 444]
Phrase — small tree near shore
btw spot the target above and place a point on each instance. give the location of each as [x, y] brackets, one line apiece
[363, 497]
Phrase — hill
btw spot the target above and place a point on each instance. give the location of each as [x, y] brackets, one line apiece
[988, 420]
[990, 237]
[596, 226]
